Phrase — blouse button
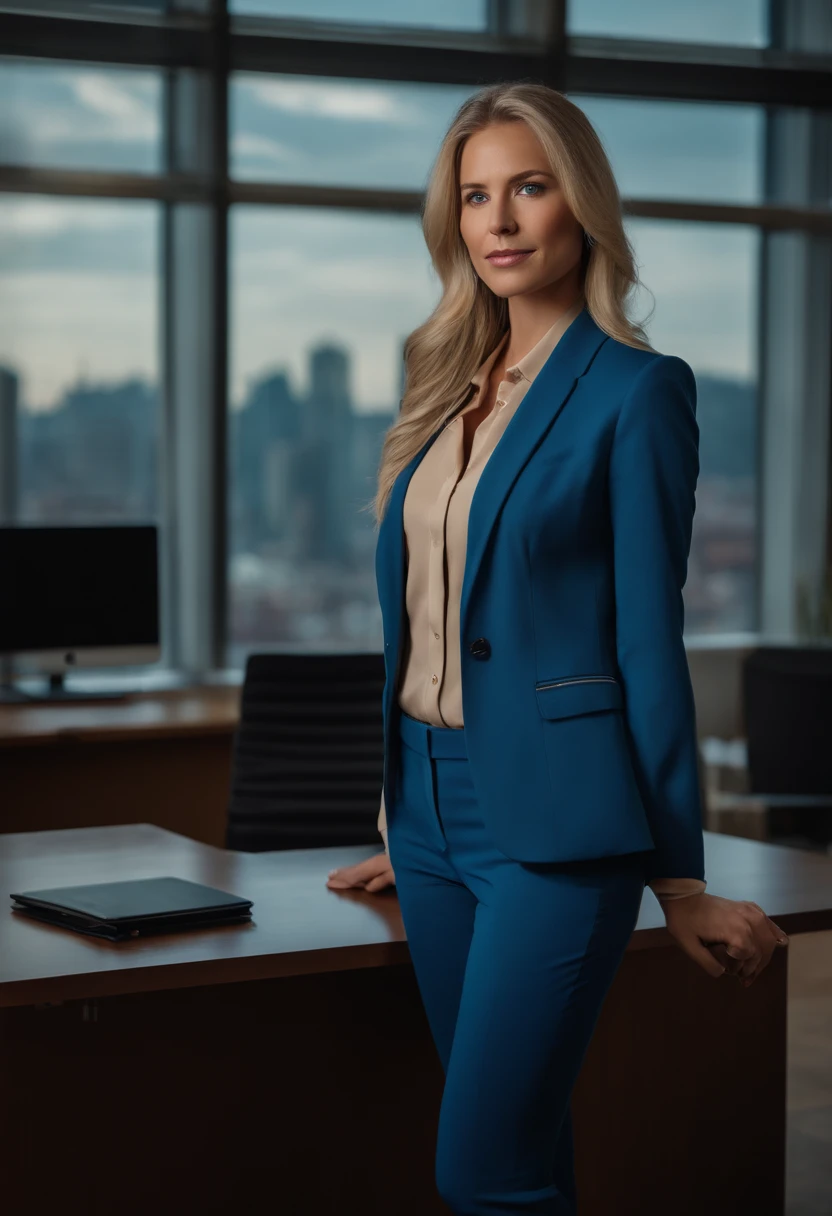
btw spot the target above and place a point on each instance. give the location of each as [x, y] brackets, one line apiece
[436, 635]
[434, 679]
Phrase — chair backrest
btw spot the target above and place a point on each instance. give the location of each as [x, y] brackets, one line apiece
[787, 701]
[308, 755]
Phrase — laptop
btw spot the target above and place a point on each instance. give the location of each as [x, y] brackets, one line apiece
[136, 907]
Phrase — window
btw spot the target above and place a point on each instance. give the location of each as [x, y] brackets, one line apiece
[338, 132]
[435, 14]
[79, 352]
[260, 276]
[690, 150]
[741, 23]
[322, 301]
[70, 117]
[705, 282]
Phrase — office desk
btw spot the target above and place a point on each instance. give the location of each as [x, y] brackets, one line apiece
[287, 1066]
[164, 754]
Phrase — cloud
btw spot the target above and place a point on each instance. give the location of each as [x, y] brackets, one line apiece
[24, 215]
[80, 117]
[259, 147]
[319, 98]
[125, 111]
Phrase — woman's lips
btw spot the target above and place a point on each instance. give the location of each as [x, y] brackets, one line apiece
[510, 259]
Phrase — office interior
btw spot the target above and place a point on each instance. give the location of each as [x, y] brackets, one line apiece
[210, 258]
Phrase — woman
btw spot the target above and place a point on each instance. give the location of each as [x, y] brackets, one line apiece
[522, 833]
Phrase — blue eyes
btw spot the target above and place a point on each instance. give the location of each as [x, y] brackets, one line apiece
[535, 186]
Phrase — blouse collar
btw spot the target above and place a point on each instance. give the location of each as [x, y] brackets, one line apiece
[529, 366]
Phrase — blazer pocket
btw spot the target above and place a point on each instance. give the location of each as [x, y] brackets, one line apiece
[573, 695]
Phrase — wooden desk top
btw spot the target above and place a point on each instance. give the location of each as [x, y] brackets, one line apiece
[300, 926]
[201, 710]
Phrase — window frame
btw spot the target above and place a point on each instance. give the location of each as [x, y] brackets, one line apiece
[198, 46]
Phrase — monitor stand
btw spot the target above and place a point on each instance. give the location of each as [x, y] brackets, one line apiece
[57, 693]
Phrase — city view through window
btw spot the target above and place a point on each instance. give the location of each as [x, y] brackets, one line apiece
[321, 306]
[321, 300]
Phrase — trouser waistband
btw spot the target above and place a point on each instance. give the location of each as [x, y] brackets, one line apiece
[442, 741]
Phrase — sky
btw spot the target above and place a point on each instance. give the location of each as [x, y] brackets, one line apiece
[740, 21]
[79, 279]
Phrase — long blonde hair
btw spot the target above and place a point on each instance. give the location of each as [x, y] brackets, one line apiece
[443, 353]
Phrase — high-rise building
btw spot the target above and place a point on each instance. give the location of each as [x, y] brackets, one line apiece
[9, 463]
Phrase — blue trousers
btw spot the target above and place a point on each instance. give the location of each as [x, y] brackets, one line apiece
[512, 961]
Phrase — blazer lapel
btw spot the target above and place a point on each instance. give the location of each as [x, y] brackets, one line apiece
[536, 413]
[538, 410]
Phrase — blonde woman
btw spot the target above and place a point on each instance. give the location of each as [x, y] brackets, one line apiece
[536, 499]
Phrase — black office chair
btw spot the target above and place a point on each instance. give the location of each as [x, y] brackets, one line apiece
[308, 755]
[787, 703]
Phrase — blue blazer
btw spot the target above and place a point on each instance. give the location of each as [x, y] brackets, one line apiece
[577, 701]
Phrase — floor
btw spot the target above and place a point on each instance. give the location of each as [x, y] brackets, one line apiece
[809, 1095]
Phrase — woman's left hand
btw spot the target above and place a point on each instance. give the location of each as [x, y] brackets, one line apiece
[733, 935]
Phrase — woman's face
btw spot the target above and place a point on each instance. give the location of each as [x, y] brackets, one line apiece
[510, 200]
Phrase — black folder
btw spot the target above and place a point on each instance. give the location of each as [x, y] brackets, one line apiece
[134, 908]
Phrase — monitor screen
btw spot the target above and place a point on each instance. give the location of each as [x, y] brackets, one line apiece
[78, 587]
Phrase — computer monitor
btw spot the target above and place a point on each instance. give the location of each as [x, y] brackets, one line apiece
[75, 597]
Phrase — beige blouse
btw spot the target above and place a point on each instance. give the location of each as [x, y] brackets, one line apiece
[436, 524]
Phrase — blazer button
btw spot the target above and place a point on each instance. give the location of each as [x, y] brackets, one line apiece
[480, 648]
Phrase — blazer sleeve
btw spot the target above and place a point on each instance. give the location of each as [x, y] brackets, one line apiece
[654, 466]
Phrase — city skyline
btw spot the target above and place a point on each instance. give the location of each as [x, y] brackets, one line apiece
[84, 382]
[298, 527]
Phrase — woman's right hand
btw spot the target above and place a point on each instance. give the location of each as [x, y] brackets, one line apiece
[374, 874]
